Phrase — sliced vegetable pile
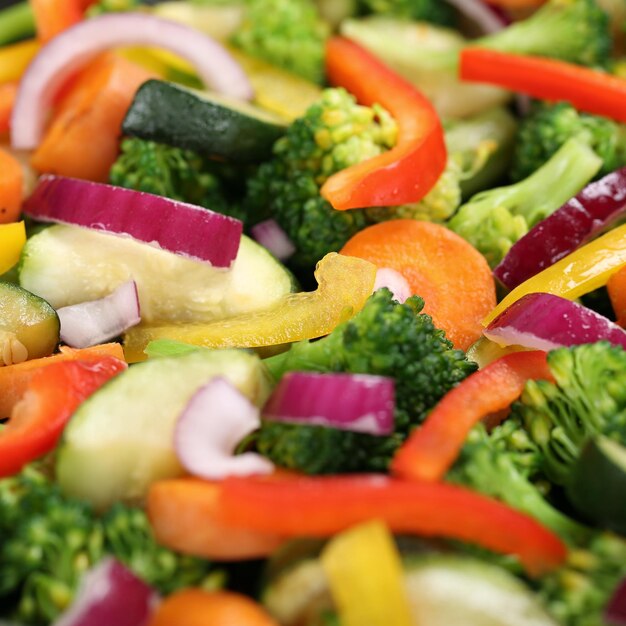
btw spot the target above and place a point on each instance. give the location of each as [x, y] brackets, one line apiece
[313, 313]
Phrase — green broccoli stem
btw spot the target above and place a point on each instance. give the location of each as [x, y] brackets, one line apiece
[16, 22]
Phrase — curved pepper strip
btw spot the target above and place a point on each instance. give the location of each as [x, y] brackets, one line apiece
[345, 283]
[51, 397]
[588, 90]
[324, 506]
[587, 268]
[432, 449]
[12, 240]
[408, 171]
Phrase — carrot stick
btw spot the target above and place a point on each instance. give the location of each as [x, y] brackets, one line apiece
[196, 607]
[182, 513]
[617, 293]
[11, 187]
[54, 16]
[83, 138]
[14, 379]
[450, 275]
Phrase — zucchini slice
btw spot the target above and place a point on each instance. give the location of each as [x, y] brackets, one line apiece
[202, 122]
[598, 484]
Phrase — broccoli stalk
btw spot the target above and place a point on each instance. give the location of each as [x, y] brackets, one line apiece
[549, 126]
[494, 220]
[16, 22]
[387, 339]
[49, 541]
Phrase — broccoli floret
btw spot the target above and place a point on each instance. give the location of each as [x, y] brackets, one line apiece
[478, 152]
[571, 30]
[587, 398]
[49, 541]
[506, 464]
[434, 11]
[172, 172]
[577, 593]
[492, 221]
[287, 33]
[549, 126]
[387, 339]
[335, 133]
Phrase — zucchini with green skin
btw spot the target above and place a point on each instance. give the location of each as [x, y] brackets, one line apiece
[194, 120]
[68, 265]
[29, 326]
[121, 439]
[597, 487]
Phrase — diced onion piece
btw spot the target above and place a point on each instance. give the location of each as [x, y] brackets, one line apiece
[615, 612]
[597, 206]
[544, 321]
[181, 228]
[91, 323]
[72, 49]
[110, 594]
[484, 16]
[395, 282]
[271, 236]
[209, 429]
[356, 402]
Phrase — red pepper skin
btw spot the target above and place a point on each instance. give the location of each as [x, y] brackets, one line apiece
[52, 396]
[432, 449]
[322, 506]
[408, 171]
[588, 90]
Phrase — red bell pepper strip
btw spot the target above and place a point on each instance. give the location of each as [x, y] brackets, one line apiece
[588, 90]
[51, 397]
[7, 98]
[432, 449]
[322, 506]
[408, 171]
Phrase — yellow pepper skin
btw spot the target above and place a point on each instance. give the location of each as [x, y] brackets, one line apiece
[366, 580]
[12, 240]
[14, 59]
[578, 273]
[345, 283]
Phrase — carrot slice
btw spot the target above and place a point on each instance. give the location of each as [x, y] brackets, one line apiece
[83, 138]
[54, 16]
[617, 293]
[452, 276]
[11, 187]
[14, 379]
[196, 607]
[7, 98]
[182, 513]
[431, 450]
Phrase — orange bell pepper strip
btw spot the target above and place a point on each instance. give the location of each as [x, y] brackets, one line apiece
[52, 17]
[83, 139]
[11, 187]
[7, 98]
[51, 397]
[616, 288]
[15, 379]
[322, 506]
[432, 449]
[588, 90]
[408, 171]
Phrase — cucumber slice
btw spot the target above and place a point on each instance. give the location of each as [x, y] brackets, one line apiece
[121, 439]
[443, 590]
[29, 326]
[68, 265]
[598, 483]
[194, 120]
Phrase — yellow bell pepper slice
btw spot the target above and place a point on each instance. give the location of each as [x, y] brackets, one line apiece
[366, 578]
[345, 283]
[14, 59]
[578, 273]
[12, 240]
